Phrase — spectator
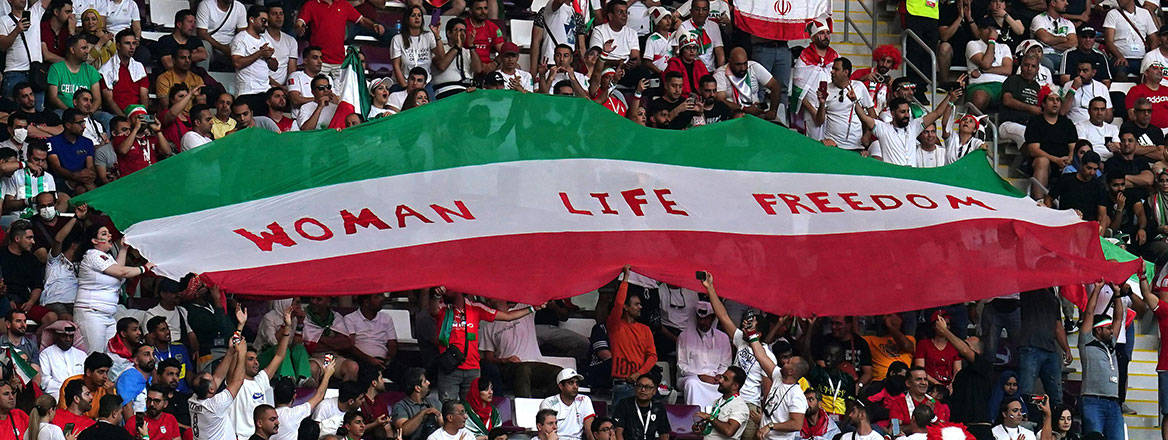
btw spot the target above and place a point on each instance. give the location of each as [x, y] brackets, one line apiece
[175, 120]
[184, 36]
[857, 417]
[24, 278]
[1019, 102]
[659, 45]
[416, 416]
[514, 77]
[143, 145]
[20, 189]
[482, 417]
[72, 155]
[1044, 343]
[545, 425]
[1100, 404]
[1149, 139]
[989, 63]
[745, 358]
[1136, 170]
[320, 112]
[125, 341]
[686, 63]
[703, 352]
[257, 388]
[292, 416]
[132, 383]
[834, 385]
[56, 29]
[104, 47]
[374, 338]
[573, 410]
[417, 81]
[176, 318]
[963, 142]
[708, 38]
[252, 58]
[618, 42]
[100, 276]
[817, 425]
[65, 77]
[61, 360]
[332, 413]
[958, 28]
[897, 140]
[833, 107]
[1128, 33]
[741, 86]
[19, 56]
[1158, 55]
[634, 352]
[47, 226]
[713, 110]
[641, 418]
[454, 71]
[300, 82]
[285, 46]
[414, 46]
[266, 421]
[1086, 49]
[923, 19]
[728, 416]
[200, 133]
[124, 80]
[459, 319]
[514, 349]
[1079, 93]
[78, 402]
[179, 73]
[879, 77]
[160, 424]
[121, 15]
[158, 336]
[1049, 140]
[484, 36]
[83, 101]
[109, 423]
[814, 65]
[857, 357]
[96, 381]
[1005, 390]
[785, 406]
[217, 22]
[915, 396]
[1055, 32]
[209, 406]
[327, 20]
[562, 70]
[1154, 90]
[40, 418]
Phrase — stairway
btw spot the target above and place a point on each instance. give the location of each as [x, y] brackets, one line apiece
[1142, 382]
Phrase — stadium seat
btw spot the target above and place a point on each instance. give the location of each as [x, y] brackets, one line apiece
[579, 325]
[562, 362]
[401, 325]
[162, 12]
[525, 410]
[521, 33]
[681, 420]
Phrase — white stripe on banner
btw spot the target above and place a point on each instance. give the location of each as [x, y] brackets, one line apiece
[555, 196]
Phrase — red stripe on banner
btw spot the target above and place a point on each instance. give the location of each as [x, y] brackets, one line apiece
[774, 28]
[840, 274]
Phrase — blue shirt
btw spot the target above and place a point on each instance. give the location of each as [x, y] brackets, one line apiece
[131, 388]
[178, 352]
[71, 154]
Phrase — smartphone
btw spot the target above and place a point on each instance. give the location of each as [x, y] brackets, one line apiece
[148, 118]
[69, 428]
[823, 87]
[701, 275]
[436, 17]
[895, 427]
[25, 16]
[138, 420]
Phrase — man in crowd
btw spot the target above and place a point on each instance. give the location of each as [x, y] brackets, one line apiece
[1020, 102]
[1055, 32]
[160, 424]
[20, 191]
[132, 383]
[124, 81]
[1149, 138]
[300, 82]
[898, 139]
[642, 418]
[158, 336]
[327, 20]
[1104, 137]
[95, 378]
[374, 339]
[143, 145]
[1042, 347]
[545, 425]
[184, 36]
[200, 134]
[266, 421]
[1129, 32]
[1049, 140]
[708, 34]
[916, 395]
[1136, 170]
[633, 350]
[109, 423]
[453, 422]
[991, 61]
[72, 154]
[257, 388]
[70, 74]
[834, 106]
[703, 352]
[178, 73]
[285, 46]
[1100, 404]
[1086, 49]
[78, 401]
[1083, 89]
[251, 55]
[513, 347]
[573, 410]
[285, 392]
[277, 105]
[1154, 90]
[727, 419]
[61, 360]
[210, 407]
[416, 416]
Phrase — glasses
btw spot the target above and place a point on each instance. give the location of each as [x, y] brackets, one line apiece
[324, 87]
[645, 386]
[605, 429]
[153, 400]
[1143, 110]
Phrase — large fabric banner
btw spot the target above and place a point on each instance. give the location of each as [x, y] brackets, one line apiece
[780, 20]
[529, 197]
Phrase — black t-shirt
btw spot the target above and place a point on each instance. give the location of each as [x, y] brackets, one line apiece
[680, 122]
[972, 387]
[964, 33]
[1054, 139]
[856, 351]
[1129, 224]
[179, 406]
[632, 418]
[1040, 313]
[1023, 90]
[1150, 135]
[105, 431]
[1136, 165]
[1086, 197]
[22, 273]
[1102, 68]
[167, 45]
[1006, 35]
[720, 112]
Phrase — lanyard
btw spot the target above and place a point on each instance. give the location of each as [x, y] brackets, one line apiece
[645, 421]
[718, 407]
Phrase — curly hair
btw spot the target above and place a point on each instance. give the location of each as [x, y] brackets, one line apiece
[889, 51]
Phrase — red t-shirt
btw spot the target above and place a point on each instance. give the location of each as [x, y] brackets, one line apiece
[143, 152]
[1159, 99]
[10, 432]
[483, 38]
[80, 422]
[175, 131]
[474, 312]
[898, 409]
[165, 427]
[285, 124]
[1161, 313]
[328, 26]
[126, 90]
[938, 362]
[55, 42]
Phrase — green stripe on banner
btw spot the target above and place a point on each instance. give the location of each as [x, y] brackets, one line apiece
[480, 128]
[1113, 252]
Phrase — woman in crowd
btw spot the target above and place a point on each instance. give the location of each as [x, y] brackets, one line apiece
[416, 99]
[100, 279]
[176, 121]
[481, 416]
[1060, 427]
[1157, 209]
[92, 23]
[379, 92]
[40, 421]
[1005, 391]
[414, 46]
[939, 358]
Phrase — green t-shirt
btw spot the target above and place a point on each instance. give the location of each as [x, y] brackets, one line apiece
[68, 82]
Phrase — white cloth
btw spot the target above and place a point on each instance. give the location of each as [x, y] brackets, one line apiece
[254, 392]
[559, 29]
[898, 145]
[109, 71]
[119, 15]
[1058, 27]
[931, 159]
[208, 16]
[700, 353]
[57, 365]
[396, 100]
[841, 124]
[1098, 136]
[94, 131]
[978, 47]
[371, 336]
[1130, 40]
[744, 358]
[624, 41]
[96, 290]
[192, 139]
[512, 338]
[16, 59]
[419, 54]
[210, 417]
[252, 78]
[1082, 99]
[328, 415]
[1000, 432]
[570, 418]
[312, 332]
[698, 393]
[286, 51]
[326, 115]
[580, 78]
[746, 90]
[96, 328]
[60, 281]
[678, 307]
[175, 320]
[290, 418]
[441, 434]
[733, 409]
[708, 31]
[658, 50]
[49, 431]
[784, 400]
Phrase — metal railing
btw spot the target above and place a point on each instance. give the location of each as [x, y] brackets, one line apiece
[850, 24]
[932, 76]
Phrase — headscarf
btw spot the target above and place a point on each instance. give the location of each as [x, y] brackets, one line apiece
[482, 416]
[1158, 202]
[998, 396]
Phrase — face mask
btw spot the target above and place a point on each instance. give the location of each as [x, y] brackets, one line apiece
[48, 212]
[19, 135]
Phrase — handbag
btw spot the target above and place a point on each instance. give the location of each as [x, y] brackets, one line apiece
[38, 71]
[449, 360]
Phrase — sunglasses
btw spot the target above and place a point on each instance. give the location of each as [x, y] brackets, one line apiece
[324, 87]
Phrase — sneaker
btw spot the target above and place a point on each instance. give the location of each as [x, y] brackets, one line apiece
[1127, 410]
[1070, 326]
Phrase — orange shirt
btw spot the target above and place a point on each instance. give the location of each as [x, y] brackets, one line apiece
[97, 395]
[633, 351]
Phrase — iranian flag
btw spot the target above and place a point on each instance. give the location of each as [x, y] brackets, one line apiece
[353, 91]
[530, 197]
[781, 20]
[12, 358]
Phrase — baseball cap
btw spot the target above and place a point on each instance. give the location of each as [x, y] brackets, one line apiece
[567, 374]
[509, 48]
[704, 309]
[1085, 30]
[657, 13]
[377, 82]
[493, 79]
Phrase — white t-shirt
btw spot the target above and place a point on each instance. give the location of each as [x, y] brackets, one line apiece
[1000, 432]
[95, 289]
[955, 150]
[60, 281]
[192, 139]
[733, 409]
[441, 434]
[512, 338]
[326, 115]
[208, 16]
[1153, 56]
[525, 79]
[1128, 39]
[458, 70]
[254, 392]
[624, 41]
[558, 23]
[175, 320]
[290, 418]
[285, 52]
[718, 8]
[744, 358]
[930, 159]
[1098, 136]
[119, 15]
[49, 431]
[1083, 97]
[712, 34]
[22, 185]
[370, 336]
[570, 419]
[898, 145]
[419, 54]
[841, 123]
[784, 400]
[746, 90]
[16, 60]
[580, 78]
[977, 47]
[210, 418]
[328, 415]
[658, 50]
[1058, 27]
[252, 78]
[299, 81]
